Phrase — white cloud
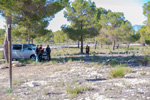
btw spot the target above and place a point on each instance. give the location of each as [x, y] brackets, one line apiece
[132, 9]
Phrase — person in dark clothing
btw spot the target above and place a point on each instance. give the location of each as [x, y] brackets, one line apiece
[87, 50]
[37, 53]
[48, 52]
[41, 50]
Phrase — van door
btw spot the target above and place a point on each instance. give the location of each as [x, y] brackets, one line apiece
[16, 51]
[27, 51]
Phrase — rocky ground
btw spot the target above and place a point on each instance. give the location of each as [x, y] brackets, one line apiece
[51, 81]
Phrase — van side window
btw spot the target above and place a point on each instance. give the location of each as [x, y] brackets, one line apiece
[25, 47]
[17, 47]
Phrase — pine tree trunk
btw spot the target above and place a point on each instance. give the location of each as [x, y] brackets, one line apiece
[81, 40]
[118, 46]
[128, 45]
[95, 43]
[143, 44]
[114, 44]
[101, 45]
[78, 43]
[81, 44]
[32, 40]
[29, 38]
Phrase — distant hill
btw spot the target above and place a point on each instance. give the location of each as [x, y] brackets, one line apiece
[137, 27]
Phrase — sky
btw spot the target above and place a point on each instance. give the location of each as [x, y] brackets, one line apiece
[132, 9]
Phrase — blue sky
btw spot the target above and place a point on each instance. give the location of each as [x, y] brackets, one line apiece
[132, 10]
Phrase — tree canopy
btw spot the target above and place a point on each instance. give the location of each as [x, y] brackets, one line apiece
[32, 15]
[81, 14]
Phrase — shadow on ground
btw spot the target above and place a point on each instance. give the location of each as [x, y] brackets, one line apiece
[130, 60]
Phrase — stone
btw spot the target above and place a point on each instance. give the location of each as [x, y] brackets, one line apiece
[16, 64]
[32, 84]
[4, 66]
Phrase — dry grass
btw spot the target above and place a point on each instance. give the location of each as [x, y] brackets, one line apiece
[119, 71]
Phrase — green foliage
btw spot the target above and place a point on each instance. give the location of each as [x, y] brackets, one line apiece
[143, 34]
[143, 73]
[144, 61]
[81, 14]
[53, 62]
[119, 71]
[59, 36]
[146, 52]
[9, 91]
[1, 54]
[76, 90]
[16, 82]
[63, 84]
[114, 27]
[29, 23]
[24, 62]
[72, 59]
[113, 62]
[147, 42]
[145, 30]
[2, 34]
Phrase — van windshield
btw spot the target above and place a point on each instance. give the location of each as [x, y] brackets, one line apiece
[32, 46]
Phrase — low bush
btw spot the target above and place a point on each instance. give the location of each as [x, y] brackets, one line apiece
[145, 51]
[9, 91]
[119, 71]
[16, 82]
[24, 61]
[73, 59]
[113, 62]
[144, 61]
[76, 90]
[1, 54]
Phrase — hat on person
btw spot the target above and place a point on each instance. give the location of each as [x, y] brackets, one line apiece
[37, 45]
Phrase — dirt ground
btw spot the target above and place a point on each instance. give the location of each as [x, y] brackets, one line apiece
[47, 81]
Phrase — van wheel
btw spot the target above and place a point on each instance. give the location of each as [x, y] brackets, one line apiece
[33, 57]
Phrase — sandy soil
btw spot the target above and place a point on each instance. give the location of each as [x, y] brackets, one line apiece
[49, 82]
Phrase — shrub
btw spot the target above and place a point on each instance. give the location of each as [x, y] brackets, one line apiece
[73, 59]
[24, 62]
[145, 61]
[53, 62]
[145, 51]
[16, 82]
[120, 71]
[113, 62]
[9, 91]
[1, 55]
[143, 73]
[96, 59]
[76, 90]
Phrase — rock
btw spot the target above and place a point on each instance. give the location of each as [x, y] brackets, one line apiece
[35, 83]
[128, 91]
[99, 97]
[141, 90]
[4, 66]
[16, 64]
[32, 84]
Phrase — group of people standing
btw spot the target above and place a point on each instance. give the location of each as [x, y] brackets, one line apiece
[39, 53]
